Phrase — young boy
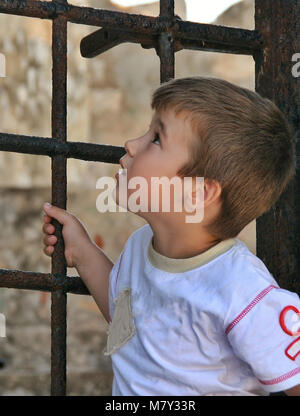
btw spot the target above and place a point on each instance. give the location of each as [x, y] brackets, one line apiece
[191, 310]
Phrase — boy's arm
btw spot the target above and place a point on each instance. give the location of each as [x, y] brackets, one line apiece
[266, 324]
[294, 391]
[94, 269]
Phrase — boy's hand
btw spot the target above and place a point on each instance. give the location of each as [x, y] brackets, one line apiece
[74, 234]
[91, 262]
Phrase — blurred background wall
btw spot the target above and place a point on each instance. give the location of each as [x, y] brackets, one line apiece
[108, 102]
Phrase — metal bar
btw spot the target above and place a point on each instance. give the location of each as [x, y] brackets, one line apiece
[165, 49]
[187, 35]
[59, 189]
[226, 37]
[102, 40]
[46, 282]
[167, 57]
[211, 46]
[223, 38]
[49, 147]
[278, 230]
[166, 8]
[31, 8]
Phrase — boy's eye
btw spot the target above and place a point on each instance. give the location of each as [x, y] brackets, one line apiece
[156, 137]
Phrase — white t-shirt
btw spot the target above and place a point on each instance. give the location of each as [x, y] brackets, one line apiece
[213, 324]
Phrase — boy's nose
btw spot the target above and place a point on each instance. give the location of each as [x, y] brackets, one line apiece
[128, 147]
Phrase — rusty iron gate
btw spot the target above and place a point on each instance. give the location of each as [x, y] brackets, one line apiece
[272, 44]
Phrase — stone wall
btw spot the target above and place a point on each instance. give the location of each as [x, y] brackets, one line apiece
[108, 102]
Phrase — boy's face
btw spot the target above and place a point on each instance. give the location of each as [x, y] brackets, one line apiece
[161, 151]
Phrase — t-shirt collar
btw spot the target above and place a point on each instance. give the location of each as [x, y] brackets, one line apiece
[172, 265]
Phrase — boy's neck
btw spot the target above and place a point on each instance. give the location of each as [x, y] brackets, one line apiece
[180, 244]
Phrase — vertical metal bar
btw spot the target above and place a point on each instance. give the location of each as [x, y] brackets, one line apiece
[166, 44]
[278, 230]
[59, 188]
[166, 8]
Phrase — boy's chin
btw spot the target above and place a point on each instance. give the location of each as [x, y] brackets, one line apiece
[115, 196]
[123, 201]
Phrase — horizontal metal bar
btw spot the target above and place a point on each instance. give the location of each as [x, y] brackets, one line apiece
[46, 282]
[217, 34]
[50, 147]
[224, 38]
[104, 39]
[212, 46]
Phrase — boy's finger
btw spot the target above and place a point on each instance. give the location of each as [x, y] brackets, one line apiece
[45, 216]
[49, 240]
[48, 229]
[60, 214]
[48, 250]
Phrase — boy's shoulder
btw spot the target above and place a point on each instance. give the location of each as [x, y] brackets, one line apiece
[241, 277]
[250, 289]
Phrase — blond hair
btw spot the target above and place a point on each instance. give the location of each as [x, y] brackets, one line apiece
[243, 141]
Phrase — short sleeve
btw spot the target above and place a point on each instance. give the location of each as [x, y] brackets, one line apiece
[266, 335]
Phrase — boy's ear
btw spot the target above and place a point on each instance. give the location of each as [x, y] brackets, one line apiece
[208, 190]
[211, 190]
[194, 192]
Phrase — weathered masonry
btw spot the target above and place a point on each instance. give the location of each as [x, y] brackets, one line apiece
[272, 44]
